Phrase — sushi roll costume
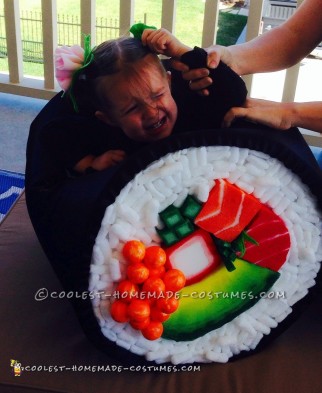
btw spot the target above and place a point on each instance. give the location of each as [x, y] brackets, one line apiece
[224, 208]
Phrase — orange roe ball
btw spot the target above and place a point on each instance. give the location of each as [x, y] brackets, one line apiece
[126, 291]
[133, 251]
[138, 310]
[174, 280]
[153, 331]
[118, 311]
[158, 315]
[168, 305]
[139, 325]
[153, 287]
[154, 257]
[157, 271]
[137, 273]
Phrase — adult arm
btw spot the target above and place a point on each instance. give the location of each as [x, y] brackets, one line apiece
[280, 47]
[274, 50]
[279, 115]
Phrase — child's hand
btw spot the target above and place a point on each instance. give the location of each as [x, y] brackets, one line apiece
[108, 159]
[104, 161]
[164, 43]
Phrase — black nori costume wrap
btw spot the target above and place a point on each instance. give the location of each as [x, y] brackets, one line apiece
[66, 211]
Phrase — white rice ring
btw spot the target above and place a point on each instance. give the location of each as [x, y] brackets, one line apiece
[134, 215]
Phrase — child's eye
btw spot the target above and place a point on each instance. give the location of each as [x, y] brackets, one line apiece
[158, 95]
[130, 110]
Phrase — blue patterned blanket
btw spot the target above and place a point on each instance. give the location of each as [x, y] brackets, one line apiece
[11, 186]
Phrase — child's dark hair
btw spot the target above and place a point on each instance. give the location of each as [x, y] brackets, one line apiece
[110, 57]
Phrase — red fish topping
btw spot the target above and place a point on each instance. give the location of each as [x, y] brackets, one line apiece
[273, 237]
[227, 211]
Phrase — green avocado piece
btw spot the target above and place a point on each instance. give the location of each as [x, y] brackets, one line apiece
[190, 207]
[218, 299]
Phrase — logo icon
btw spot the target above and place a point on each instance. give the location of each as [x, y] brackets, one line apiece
[16, 366]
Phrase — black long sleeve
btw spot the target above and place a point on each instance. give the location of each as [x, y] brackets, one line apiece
[199, 112]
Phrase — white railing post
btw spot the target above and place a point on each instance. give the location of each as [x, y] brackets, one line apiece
[254, 23]
[168, 19]
[14, 43]
[254, 19]
[291, 78]
[126, 16]
[290, 83]
[210, 23]
[88, 20]
[49, 28]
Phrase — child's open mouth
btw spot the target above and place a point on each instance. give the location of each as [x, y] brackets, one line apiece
[156, 126]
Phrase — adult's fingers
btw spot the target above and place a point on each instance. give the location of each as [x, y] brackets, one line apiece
[213, 58]
[195, 74]
[232, 115]
[200, 84]
[178, 65]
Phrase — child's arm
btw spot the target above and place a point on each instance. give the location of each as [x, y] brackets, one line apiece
[164, 43]
[104, 161]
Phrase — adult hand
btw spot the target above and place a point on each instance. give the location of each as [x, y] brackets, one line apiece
[198, 78]
[273, 114]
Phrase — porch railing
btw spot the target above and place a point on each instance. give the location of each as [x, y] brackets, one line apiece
[16, 83]
[68, 33]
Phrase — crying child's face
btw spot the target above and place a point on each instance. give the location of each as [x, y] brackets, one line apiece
[140, 103]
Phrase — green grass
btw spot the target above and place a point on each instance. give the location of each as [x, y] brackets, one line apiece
[230, 28]
[29, 69]
[189, 21]
[189, 17]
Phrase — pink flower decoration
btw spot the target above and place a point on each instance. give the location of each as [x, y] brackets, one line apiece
[68, 59]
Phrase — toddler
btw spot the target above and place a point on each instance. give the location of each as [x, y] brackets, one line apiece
[135, 100]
